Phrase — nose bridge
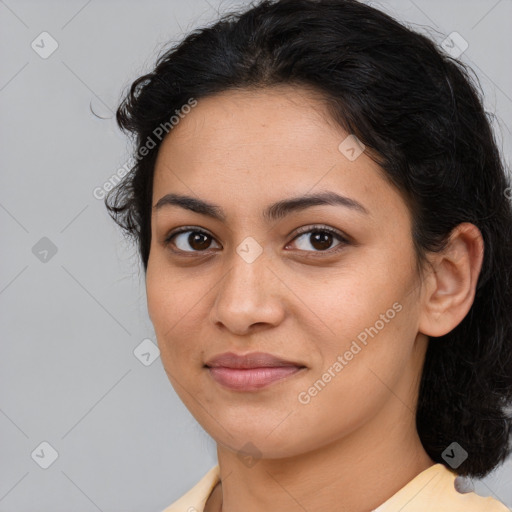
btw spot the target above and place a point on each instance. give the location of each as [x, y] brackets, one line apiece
[246, 294]
[246, 278]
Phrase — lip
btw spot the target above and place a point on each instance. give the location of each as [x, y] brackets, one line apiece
[250, 372]
[250, 360]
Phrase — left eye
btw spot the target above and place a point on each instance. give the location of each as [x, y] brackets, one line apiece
[320, 238]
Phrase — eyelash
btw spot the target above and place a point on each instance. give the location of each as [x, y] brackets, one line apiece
[307, 229]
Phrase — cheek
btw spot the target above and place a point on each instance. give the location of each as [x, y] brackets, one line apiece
[173, 309]
[350, 301]
[353, 383]
[364, 332]
[169, 294]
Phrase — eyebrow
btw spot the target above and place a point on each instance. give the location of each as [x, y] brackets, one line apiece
[273, 212]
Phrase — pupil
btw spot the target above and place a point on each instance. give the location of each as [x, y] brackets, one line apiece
[322, 239]
[195, 241]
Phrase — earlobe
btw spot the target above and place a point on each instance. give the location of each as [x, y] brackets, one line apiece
[450, 286]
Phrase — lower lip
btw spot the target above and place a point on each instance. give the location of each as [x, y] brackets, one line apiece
[250, 379]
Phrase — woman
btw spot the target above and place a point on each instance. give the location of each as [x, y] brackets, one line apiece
[324, 223]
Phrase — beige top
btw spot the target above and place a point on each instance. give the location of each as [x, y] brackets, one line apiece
[431, 490]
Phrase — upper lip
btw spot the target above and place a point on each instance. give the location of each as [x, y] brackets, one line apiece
[251, 360]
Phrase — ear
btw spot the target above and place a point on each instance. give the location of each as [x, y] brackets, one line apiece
[449, 288]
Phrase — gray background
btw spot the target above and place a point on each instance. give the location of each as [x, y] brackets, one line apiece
[70, 323]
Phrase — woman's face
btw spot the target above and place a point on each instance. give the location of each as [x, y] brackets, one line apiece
[343, 309]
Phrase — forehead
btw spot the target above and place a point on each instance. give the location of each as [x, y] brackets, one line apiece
[252, 119]
[260, 145]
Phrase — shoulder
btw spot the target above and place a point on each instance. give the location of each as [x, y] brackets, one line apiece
[195, 498]
[434, 489]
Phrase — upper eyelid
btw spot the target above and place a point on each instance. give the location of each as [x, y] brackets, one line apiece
[298, 232]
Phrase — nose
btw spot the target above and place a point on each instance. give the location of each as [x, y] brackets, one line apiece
[248, 297]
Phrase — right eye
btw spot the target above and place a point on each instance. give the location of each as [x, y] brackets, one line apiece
[195, 238]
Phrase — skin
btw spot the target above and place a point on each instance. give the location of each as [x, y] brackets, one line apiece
[244, 150]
